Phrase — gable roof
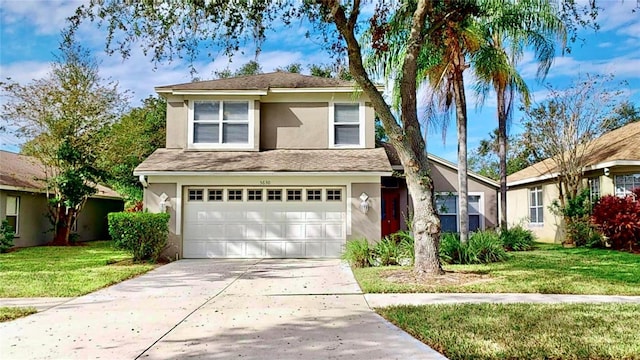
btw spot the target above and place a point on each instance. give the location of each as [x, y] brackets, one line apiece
[617, 147]
[25, 173]
[392, 154]
[278, 79]
[316, 161]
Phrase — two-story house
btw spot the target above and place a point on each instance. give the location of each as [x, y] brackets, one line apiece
[272, 165]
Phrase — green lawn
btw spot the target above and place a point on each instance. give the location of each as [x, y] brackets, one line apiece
[10, 313]
[549, 269]
[524, 331]
[51, 271]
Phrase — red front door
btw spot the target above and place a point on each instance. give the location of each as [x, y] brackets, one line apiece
[390, 211]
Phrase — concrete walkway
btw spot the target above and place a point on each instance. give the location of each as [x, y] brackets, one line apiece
[217, 309]
[382, 300]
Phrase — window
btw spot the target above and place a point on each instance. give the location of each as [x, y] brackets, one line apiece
[195, 194]
[13, 213]
[346, 127]
[447, 208]
[334, 195]
[254, 195]
[314, 195]
[234, 195]
[594, 189]
[626, 183]
[221, 122]
[294, 195]
[274, 195]
[215, 194]
[536, 208]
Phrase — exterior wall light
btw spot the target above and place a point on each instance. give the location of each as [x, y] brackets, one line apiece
[364, 204]
[164, 202]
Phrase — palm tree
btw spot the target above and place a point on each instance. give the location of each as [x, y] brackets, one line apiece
[531, 24]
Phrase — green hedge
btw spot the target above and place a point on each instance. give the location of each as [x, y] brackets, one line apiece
[144, 235]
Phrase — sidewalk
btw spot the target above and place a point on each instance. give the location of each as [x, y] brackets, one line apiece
[383, 300]
[41, 304]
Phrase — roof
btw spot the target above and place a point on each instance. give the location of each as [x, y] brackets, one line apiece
[392, 154]
[619, 146]
[324, 161]
[278, 79]
[25, 173]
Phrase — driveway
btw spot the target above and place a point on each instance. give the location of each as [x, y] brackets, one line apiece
[217, 309]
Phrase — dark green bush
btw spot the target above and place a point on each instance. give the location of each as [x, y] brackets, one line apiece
[144, 235]
[517, 238]
[386, 252]
[406, 247]
[483, 247]
[357, 253]
[7, 234]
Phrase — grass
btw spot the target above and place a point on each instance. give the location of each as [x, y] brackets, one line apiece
[51, 271]
[549, 269]
[524, 331]
[10, 313]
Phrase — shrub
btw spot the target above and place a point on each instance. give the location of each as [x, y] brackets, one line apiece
[357, 253]
[483, 247]
[144, 235]
[386, 252]
[7, 234]
[517, 238]
[407, 250]
[619, 219]
[584, 233]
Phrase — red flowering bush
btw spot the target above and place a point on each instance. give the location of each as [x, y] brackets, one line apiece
[619, 219]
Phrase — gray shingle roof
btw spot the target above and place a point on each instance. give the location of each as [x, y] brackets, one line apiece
[26, 172]
[330, 160]
[279, 79]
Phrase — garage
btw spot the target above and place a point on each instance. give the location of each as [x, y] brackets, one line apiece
[264, 222]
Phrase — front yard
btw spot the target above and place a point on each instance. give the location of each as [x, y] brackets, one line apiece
[51, 271]
[10, 313]
[550, 269]
[524, 331]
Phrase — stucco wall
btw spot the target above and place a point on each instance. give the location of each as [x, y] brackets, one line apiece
[445, 179]
[518, 212]
[92, 221]
[365, 225]
[33, 224]
[294, 126]
[177, 116]
[152, 203]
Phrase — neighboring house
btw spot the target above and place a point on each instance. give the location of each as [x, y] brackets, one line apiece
[271, 165]
[23, 202]
[612, 167]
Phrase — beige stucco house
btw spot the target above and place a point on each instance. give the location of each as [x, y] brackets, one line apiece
[272, 165]
[23, 202]
[612, 167]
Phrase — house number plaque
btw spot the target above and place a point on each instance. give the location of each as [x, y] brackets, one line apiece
[265, 182]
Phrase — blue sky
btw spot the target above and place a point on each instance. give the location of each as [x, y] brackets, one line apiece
[29, 35]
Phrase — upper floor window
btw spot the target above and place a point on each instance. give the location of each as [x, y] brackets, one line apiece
[221, 123]
[346, 128]
[626, 183]
[536, 209]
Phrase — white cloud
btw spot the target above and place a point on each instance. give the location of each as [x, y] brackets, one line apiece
[48, 17]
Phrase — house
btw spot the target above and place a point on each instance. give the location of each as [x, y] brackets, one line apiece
[23, 202]
[271, 165]
[612, 167]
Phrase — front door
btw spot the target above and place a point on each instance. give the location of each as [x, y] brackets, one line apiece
[390, 211]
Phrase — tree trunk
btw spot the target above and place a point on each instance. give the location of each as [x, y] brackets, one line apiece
[63, 227]
[502, 155]
[461, 121]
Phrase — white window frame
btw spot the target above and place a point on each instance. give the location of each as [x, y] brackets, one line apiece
[190, 126]
[361, 124]
[535, 189]
[16, 231]
[625, 191]
[482, 222]
[594, 189]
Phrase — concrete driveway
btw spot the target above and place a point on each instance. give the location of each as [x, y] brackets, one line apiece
[217, 309]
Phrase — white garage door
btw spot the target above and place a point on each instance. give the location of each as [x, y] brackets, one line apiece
[238, 222]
